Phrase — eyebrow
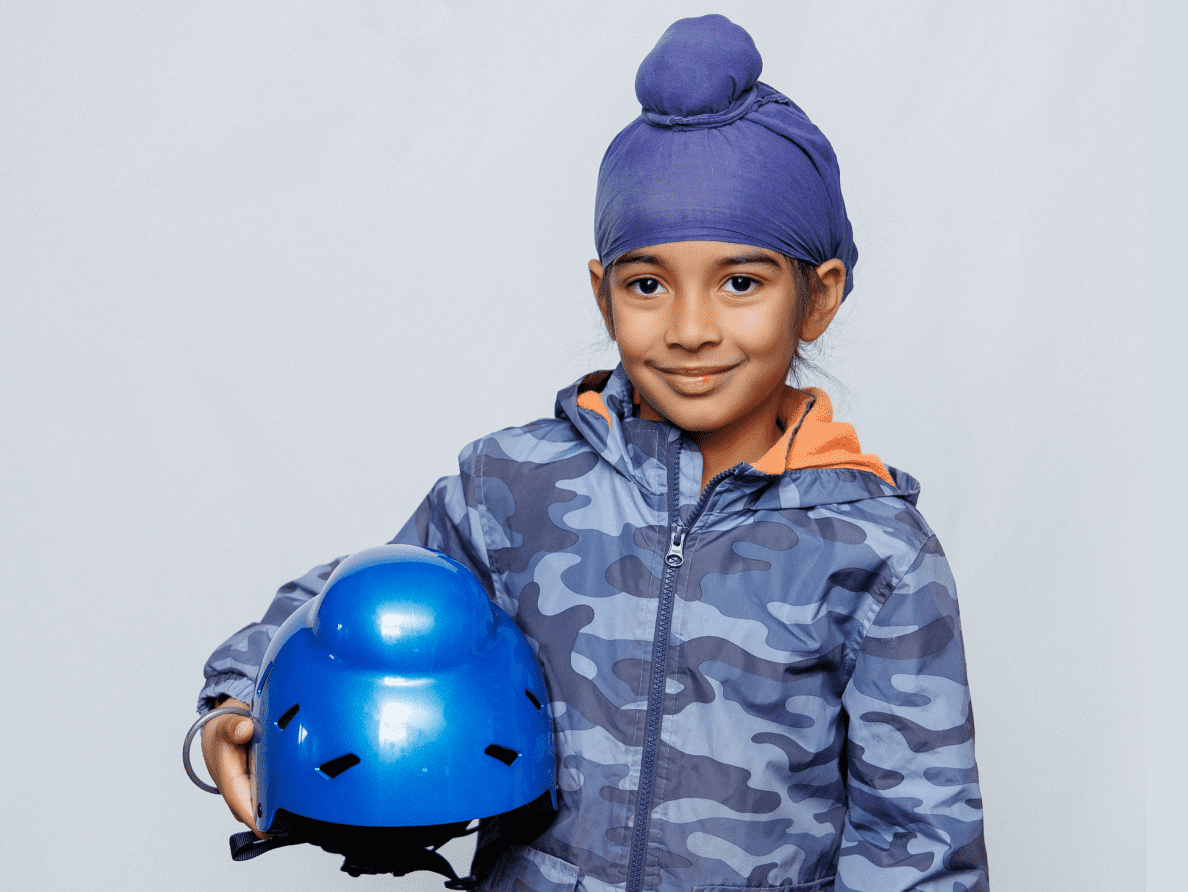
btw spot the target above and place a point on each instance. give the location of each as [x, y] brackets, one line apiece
[637, 258]
[743, 259]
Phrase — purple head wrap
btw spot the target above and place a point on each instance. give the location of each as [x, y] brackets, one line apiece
[719, 156]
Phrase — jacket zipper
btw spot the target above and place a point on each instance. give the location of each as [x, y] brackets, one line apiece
[673, 558]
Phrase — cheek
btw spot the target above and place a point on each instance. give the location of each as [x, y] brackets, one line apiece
[770, 335]
[632, 335]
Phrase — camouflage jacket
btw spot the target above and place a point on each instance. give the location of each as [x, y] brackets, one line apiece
[756, 686]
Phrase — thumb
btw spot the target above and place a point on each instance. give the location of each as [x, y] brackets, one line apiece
[241, 732]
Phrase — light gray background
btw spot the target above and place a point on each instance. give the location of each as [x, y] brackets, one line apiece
[265, 268]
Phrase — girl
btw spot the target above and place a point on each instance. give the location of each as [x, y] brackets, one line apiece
[749, 634]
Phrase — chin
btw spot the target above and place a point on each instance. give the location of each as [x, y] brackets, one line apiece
[695, 420]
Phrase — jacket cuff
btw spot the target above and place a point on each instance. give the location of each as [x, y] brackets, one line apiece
[232, 684]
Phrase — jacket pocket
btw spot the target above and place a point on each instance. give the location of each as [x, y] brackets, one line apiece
[525, 868]
[822, 885]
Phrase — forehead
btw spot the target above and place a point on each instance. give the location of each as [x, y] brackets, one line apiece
[700, 255]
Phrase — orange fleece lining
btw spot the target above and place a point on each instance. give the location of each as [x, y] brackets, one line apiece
[592, 401]
[812, 439]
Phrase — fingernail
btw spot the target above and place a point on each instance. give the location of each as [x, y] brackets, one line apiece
[242, 728]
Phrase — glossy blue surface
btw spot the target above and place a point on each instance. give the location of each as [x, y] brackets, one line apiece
[404, 663]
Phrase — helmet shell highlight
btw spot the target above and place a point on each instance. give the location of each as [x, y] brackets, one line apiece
[400, 696]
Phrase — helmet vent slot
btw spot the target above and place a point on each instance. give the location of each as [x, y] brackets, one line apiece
[283, 721]
[335, 767]
[532, 697]
[502, 753]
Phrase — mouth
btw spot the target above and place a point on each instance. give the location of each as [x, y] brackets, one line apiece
[694, 380]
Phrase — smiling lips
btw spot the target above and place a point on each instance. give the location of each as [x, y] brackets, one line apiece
[694, 380]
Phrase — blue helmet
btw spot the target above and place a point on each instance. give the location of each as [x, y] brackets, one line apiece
[393, 709]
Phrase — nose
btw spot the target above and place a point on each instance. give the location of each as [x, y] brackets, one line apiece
[692, 322]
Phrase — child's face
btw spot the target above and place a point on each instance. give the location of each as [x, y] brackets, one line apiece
[707, 332]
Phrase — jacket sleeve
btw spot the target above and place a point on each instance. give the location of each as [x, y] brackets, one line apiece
[447, 520]
[232, 668]
[451, 520]
[914, 820]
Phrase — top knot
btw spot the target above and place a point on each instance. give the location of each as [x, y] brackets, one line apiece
[700, 68]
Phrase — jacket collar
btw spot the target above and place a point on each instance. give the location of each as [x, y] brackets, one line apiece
[600, 404]
[812, 439]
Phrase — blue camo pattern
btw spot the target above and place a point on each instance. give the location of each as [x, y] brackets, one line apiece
[816, 729]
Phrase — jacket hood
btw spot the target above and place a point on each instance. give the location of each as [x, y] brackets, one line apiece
[815, 454]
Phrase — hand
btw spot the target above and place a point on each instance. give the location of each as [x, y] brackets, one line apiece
[224, 749]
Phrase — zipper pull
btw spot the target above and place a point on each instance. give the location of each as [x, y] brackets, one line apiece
[676, 550]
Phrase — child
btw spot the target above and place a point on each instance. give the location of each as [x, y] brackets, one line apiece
[749, 634]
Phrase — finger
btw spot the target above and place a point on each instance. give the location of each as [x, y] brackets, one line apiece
[217, 734]
[238, 797]
[240, 733]
[227, 761]
[224, 749]
[234, 728]
[229, 728]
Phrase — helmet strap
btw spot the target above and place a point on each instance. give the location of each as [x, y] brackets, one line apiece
[246, 845]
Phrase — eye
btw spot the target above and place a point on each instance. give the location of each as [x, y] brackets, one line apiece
[741, 284]
[646, 286]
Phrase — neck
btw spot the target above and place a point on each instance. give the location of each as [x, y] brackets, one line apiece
[746, 440]
[723, 449]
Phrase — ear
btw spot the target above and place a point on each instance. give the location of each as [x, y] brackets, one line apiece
[597, 276]
[833, 276]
